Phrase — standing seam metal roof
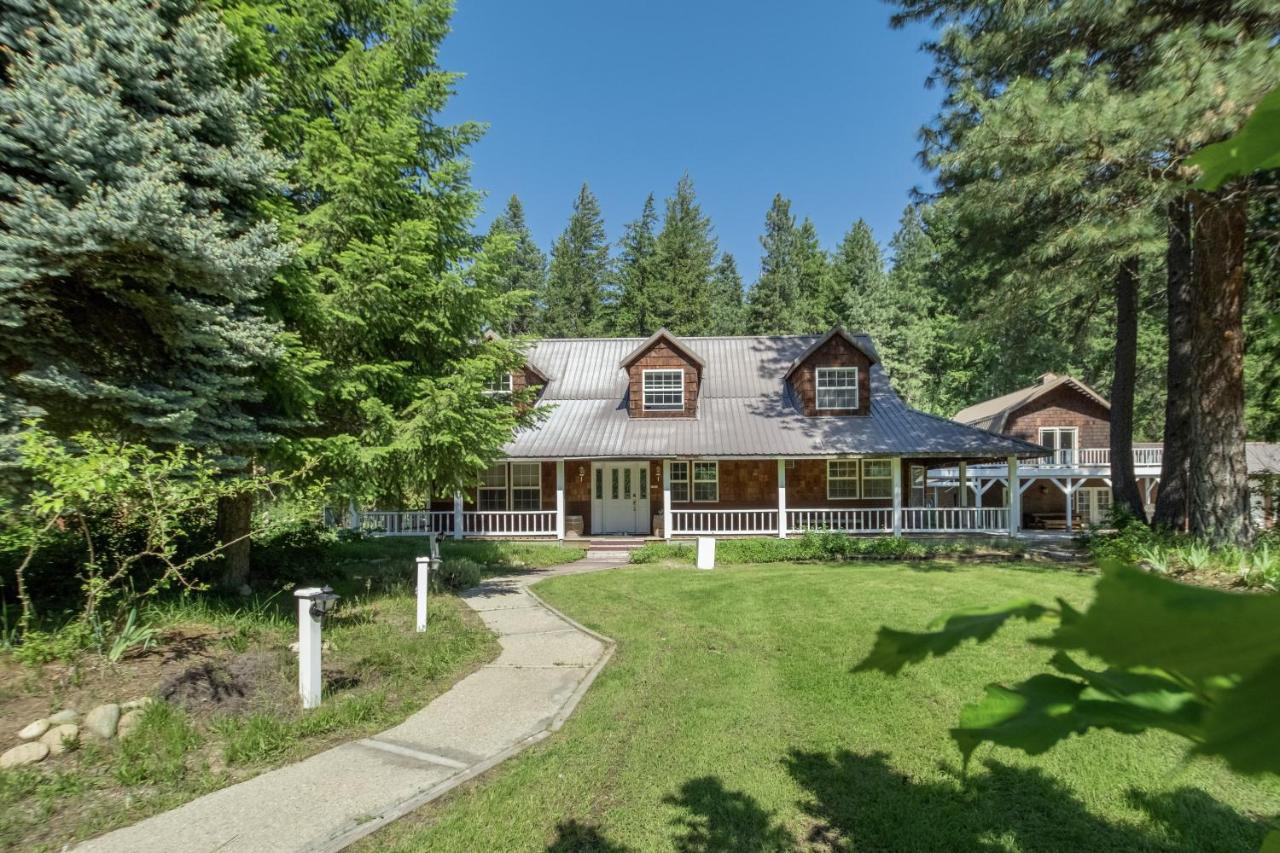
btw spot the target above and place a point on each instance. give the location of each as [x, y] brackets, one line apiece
[744, 409]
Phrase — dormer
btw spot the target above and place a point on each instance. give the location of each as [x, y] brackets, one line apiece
[833, 376]
[663, 378]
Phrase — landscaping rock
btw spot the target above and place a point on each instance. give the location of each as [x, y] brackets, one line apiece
[27, 753]
[128, 723]
[101, 721]
[58, 737]
[66, 715]
[33, 730]
[140, 702]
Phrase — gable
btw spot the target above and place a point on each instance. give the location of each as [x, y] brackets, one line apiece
[662, 355]
[834, 351]
[1062, 406]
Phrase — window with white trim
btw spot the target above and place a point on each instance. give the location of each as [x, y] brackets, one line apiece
[499, 385]
[679, 482]
[526, 485]
[492, 493]
[706, 482]
[836, 387]
[664, 390]
[1062, 441]
[877, 478]
[842, 479]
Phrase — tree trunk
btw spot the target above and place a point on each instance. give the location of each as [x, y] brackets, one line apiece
[1124, 485]
[235, 519]
[1171, 501]
[1218, 477]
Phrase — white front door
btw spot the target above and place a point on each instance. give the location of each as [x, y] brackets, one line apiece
[620, 497]
[1095, 504]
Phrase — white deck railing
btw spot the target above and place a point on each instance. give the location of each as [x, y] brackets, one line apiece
[474, 523]
[687, 522]
[535, 522]
[950, 519]
[1098, 456]
[405, 523]
[871, 520]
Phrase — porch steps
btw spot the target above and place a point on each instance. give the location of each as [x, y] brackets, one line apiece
[612, 548]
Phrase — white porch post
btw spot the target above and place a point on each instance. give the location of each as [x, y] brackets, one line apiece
[963, 497]
[666, 499]
[457, 515]
[1069, 491]
[560, 499]
[1014, 488]
[897, 496]
[978, 492]
[782, 499]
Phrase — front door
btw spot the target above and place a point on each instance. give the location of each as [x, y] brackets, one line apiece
[620, 497]
[1095, 504]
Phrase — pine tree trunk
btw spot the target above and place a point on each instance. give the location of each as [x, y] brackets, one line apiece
[235, 519]
[1171, 501]
[1218, 477]
[1124, 485]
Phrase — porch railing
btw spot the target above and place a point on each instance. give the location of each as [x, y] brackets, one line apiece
[873, 520]
[1092, 456]
[405, 523]
[948, 519]
[474, 523]
[534, 522]
[686, 522]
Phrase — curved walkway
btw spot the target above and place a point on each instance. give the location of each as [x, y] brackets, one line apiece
[338, 796]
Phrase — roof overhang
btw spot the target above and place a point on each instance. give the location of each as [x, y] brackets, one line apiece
[821, 342]
[671, 341]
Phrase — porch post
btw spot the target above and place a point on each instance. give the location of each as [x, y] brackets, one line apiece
[782, 499]
[1069, 491]
[963, 497]
[457, 515]
[666, 499]
[560, 499]
[897, 496]
[1014, 488]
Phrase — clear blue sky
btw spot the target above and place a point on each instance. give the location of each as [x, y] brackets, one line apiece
[820, 101]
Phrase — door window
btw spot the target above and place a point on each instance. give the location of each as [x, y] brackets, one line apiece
[1062, 441]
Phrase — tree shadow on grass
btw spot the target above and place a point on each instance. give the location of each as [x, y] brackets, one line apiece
[573, 836]
[860, 802]
[719, 819]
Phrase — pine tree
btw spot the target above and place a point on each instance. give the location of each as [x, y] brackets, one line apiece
[522, 267]
[635, 274]
[857, 279]
[579, 273]
[774, 300]
[727, 315]
[133, 259]
[680, 297]
[815, 279]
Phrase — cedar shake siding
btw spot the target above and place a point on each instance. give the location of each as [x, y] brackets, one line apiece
[661, 356]
[1062, 407]
[836, 352]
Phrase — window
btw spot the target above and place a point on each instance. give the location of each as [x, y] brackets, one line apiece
[842, 479]
[526, 485]
[837, 387]
[493, 489]
[501, 384]
[664, 390]
[1062, 441]
[599, 484]
[679, 482]
[877, 478]
[706, 482]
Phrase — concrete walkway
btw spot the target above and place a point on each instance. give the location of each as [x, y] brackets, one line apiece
[331, 799]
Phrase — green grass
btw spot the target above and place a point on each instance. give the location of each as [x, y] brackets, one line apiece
[729, 719]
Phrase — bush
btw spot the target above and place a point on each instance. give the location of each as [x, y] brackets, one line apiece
[659, 552]
[457, 574]
[816, 545]
[296, 546]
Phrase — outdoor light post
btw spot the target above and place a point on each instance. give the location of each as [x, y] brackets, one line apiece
[313, 603]
[425, 566]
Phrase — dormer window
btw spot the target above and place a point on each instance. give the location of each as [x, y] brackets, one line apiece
[837, 387]
[501, 384]
[664, 390]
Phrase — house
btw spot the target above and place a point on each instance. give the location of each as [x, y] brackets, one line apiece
[677, 436]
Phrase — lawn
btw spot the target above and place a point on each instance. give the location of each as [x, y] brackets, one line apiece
[728, 719]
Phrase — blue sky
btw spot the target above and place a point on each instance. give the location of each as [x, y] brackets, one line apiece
[820, 101]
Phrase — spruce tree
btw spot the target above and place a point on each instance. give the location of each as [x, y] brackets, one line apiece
[579, 273]
[815, 279]
[680, 296]
[635, 274]
[857, 279]
[727, 316]
[522, 267]
[774, 300]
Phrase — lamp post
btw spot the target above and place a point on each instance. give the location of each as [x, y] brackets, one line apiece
[425, 566]
[313, 603]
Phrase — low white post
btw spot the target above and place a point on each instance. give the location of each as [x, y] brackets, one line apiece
[312, 602]
[457, 515]
[424, 581]
[353, 516]
[666, 499]
[1014, 488]
[897, 496]
[560, 499]
[706, 552]
[963, 497]
[782, 499]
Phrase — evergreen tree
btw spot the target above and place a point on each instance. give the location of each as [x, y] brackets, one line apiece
[680, 297]
[133, 260]
[636, 274]
[522, 267]
[576, 283]
[857, 279]
[773, 303]
[726, 316]
[815, 279]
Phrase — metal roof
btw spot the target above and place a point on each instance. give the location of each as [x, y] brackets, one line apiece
[992, 414]
[744, 409]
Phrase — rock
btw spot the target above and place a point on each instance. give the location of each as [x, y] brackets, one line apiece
[140, 702]
[66, 715]
[324, 647]
[58, 737]
[128, 723]
[33, 730]
[27, 753]
[101, 721]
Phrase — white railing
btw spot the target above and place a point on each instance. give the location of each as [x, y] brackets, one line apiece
[685, 522]
[537, 522]
[951, 519]
[873, 520]
[405, 523]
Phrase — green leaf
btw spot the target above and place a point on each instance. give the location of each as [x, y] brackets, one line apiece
[895, 649]
[1271, 844]
[1243, 726]
[1255, 148]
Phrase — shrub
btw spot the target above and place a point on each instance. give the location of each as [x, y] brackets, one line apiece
[293, 547]
[659, 552]
[457, 573]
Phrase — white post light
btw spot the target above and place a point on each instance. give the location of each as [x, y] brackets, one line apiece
[425, 565]
[313, 603]
[706, 552]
